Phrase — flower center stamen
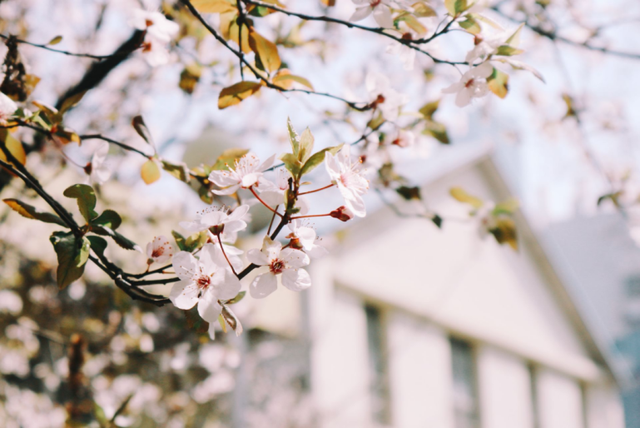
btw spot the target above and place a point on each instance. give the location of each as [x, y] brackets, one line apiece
[277, 266]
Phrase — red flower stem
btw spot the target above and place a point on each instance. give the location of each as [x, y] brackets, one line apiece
[311, 215]
[271, 222]
[225, 255]
[263, 202]
[317, 190]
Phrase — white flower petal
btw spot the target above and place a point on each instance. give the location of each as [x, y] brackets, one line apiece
[184, 294]
[229, 288]
[294, 258]
[382, 15]
[263, 285]
[257, 257]
[360, 13]
[208, 306]
[185, 265]
[296, 279]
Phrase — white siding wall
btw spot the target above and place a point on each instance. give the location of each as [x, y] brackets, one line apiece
[420, 374]
[560, 401]
[340, 365]
[505, 390]
[603, 407]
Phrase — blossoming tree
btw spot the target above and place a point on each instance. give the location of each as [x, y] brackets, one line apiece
[250, 51]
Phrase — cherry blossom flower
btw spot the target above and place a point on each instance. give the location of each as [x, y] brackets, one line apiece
[160, 250]
[286, 262]
[204, 282]
[7, 108]
[98, 170]
[385, 98]
[380, 8]
[472, 84]
[303, 237]
[159, 32]
[273, 193]
[405, 139]
[246, 172]
[406, 55]
[220, 221]
[346, 174]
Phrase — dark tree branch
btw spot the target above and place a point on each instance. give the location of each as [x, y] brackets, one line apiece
[80, 55]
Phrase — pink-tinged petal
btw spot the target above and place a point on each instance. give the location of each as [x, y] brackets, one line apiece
[333, 166]
[257, 257]
[360, 13]
[211, 259]
[185, 265]
[271, 248]
[263, 285]
[239, 213]
[229, 288]
[316, 251]
[208, 306]
[150, 249]
[484, 70]
[382, 15]
[296, 279]
[228, 191]
[267, 164]
[464, 97]
[234, 226]
[357, 206]
[192, 226]
[456, 87]
[294, 258]
[213, 218]
[212, 330]
[223, 178]
[273, 198]
[184, 295]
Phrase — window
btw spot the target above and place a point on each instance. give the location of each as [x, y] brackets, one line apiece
[465, 393]
[378, 379]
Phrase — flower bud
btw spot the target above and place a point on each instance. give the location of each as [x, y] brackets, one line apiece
[343, 213]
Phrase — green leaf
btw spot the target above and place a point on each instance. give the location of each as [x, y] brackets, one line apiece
[409, 193]
[71, 254]
[438, 131]
[317, 159]
[235, 94]
[471, 25]
[437, 220]
[292, 164]
[150, 171]
[506, 50]
[514, 39]
[98, 244]
[306, 145]
[423, 10]
[461, 195]
[86, 198]
[178, 170]
[506, 207]
[141, 128]
[180, 240]
[429, 109]
[68, 104]
[499, 83]
[456, 7]
[236, 299]
[376, 122]
[293, 138]
[505, 232]
[26, 210]
[108, 218]
[196, 241]
[122, 241]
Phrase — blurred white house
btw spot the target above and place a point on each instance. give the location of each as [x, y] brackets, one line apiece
[408, 325]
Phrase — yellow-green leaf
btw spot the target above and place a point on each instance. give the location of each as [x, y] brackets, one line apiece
[13, 145]
[460, 195]
[266, 50]
[514, 39]
[412, 22]
[213, 6]
[284, 78]
[234, 94]
[471, 25]
[228, 157]
[55, 40]
[28, 211]
[506, 50]
[423, 10]
[306, 145]
[499, 83]
[150, 172]
[455, 7]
